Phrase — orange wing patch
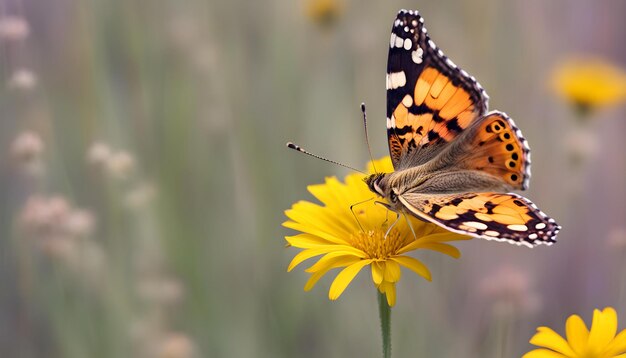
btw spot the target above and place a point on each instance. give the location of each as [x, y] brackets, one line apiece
[437, 112]
[493, 216]
[500, 149]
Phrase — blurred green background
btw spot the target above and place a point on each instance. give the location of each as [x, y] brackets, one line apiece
[144, 176]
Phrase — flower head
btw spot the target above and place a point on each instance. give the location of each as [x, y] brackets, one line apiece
[23, 79]
[325, 13]
[27, 147]
[13, 28]
[589, 82]
[510, 290]
[600, 341]
[351, 231]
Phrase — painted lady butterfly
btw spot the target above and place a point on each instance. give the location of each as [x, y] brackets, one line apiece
[454, 162]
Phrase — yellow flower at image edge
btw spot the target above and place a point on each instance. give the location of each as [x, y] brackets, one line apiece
[589, 82]
[600, 341]
[332, 232]
[324, 12]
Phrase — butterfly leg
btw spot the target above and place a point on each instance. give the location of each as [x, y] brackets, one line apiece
[389, 208]
[392, 225]
[353, 213]
[409, 223]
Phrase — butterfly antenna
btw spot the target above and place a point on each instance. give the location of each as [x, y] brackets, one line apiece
[302, 150]
[367, 140]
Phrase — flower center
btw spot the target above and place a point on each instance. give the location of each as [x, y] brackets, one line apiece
[378, 247]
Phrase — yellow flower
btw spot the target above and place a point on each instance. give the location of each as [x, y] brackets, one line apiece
[324, 12]
[599, 342]
[589, 82]
[331, 231]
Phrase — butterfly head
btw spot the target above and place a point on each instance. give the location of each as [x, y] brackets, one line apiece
[373, 182]
[378, 184]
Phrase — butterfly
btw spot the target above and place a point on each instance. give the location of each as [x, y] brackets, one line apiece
[455, 163]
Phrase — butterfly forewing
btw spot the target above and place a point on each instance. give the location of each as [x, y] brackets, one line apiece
[430, 101]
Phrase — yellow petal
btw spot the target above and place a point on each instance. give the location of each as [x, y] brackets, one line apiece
[310, 230]
[330, 258]
[331, 264]
[413, 265]
[548, 338]
[389, 289]
[424, 242]
[618, 345]
[603, 329]
[377, 273]
[306, 241]
[305, 255]
[543, 353]
[444, 249]
[321, 218]
[344, 278]
[577, 334]
[392, 271]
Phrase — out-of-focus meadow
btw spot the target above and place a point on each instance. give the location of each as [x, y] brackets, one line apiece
[144, 175]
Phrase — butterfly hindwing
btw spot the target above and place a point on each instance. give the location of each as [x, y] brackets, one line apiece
[496, 146]
[493, 216]
[430, 100]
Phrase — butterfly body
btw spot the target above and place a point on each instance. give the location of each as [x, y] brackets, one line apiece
[455, 164]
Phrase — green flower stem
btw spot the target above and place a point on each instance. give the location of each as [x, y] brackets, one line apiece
[385, 323]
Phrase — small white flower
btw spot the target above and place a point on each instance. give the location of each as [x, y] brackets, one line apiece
[27, 147]
[23, 79]
[120, 164]
[511, 291]
[13, 28]
[98, 153]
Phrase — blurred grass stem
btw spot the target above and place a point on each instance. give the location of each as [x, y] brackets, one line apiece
[385, 323]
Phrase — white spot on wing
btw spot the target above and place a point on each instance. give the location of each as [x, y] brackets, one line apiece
[432, 44]
[397, 79]
[407, 101]
[392, 40]
[399, 41]
[417, 55]
[475, 225]
[540, 226]
[407, 44]
[491, 233]
[517, 227]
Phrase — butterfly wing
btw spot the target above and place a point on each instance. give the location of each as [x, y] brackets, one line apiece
[492, 216]
[430, 101]
[492, 145]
